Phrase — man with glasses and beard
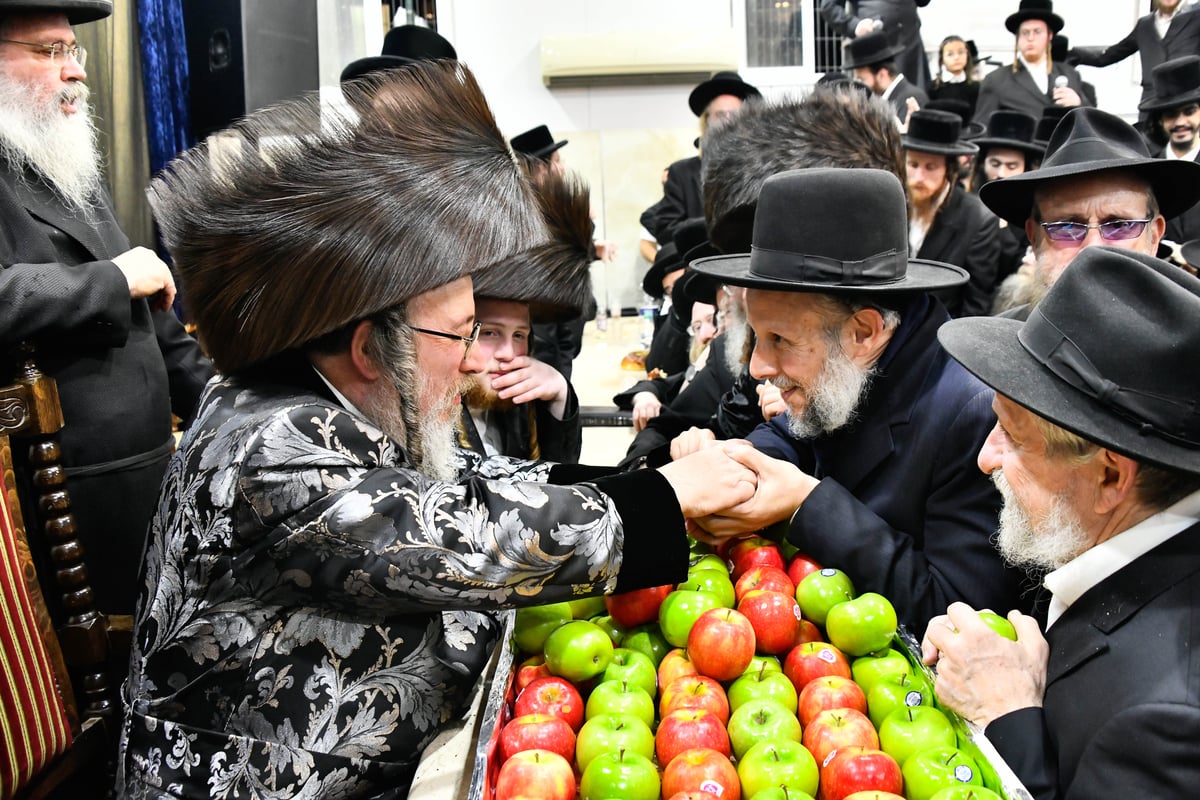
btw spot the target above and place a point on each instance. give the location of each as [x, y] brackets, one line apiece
[1096, 450]
[318, 579]
[1098, 185]
[97, 310]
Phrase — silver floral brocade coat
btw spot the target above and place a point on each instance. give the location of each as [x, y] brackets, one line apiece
[314, 608]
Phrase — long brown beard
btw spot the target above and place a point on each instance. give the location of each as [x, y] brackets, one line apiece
[481, 399]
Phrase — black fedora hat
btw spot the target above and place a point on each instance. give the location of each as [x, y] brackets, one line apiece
[870, 49]
[1191, 252]
[691, 239]
[1176, 83]
[724, 82]
[1087, 141]
[1134, 393]
[1051, 116]
[536, 142]
[1013, 130]
[970, 128]
[402, 45]
[800, 242]
[937, 132]
[667, 260]
[77, 11]
[1035, 9]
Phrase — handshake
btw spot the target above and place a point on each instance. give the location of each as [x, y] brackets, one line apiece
[730, 488]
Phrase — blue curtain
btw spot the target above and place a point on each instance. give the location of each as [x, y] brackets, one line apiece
[164, 78]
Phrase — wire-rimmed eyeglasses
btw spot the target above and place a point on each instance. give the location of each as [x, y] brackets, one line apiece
[1115, 230]
[57, 52]
[466, 340]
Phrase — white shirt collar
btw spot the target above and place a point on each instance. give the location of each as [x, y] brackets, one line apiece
[1037, 72]
[341, 398]
[1190, 155]
[887, 93]
[1069, 582]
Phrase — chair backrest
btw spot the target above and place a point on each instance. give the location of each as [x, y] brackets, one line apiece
[55, 683]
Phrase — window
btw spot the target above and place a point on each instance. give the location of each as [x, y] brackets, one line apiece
[775, 36]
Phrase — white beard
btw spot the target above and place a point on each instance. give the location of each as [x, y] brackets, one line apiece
[435, 438]
[833, 399]
[737, 331]
[1037, 545]
[35, 134]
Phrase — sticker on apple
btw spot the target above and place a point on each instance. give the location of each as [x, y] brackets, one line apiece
[827, 656]
[963, 773]
[713, 788]
[913, 699]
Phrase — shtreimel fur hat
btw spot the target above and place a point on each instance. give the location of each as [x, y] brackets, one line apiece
[301, 219]
[551, 277]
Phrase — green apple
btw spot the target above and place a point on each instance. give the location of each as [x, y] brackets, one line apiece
[999, 624]
[781, 762]
[609, 733]
[894, 692]
[623, 775]
[634, 667]
[709, 561]
[762, 685]
[906, 731]
[761, 721]
[534, 623]
[679, 612]
[620, 697]
[610, 626]
[711, 580]
[863, 625]
[780, 793]
[587, 607]
[929, 771]
[578, 650]
[648, 640]
[822, 590]
[965, 792]
[867, 670]
[764, 663]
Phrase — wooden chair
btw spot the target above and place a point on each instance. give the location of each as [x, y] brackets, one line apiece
[59, 714]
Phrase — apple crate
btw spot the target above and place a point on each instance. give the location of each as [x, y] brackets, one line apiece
[498, 704]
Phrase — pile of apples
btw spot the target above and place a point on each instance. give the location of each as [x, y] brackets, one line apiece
[756, 678]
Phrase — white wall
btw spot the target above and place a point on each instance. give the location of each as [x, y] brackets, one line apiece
[621, 138]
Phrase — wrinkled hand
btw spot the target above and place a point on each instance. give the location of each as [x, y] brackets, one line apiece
[646, 406]
[1066, 96]
[690, 441]
[528, 379]
[980, 674]
[770, 400]
[147, 276]
[782, 488]
[708, 481]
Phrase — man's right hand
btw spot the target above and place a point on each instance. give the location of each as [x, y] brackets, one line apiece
[709, 481]
[148, 276]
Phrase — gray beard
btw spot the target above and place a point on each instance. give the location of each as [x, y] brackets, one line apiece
[736, 334]
[1037, 546]
[431, 445]
[36, 135]
[833, 400]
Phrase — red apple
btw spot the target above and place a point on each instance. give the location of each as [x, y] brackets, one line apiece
[828, 692]
[687, 728]
[675, 664]
[873, 794]
[721, 644]
[751, 552]
[799, 566]
[536, 773]
[530, 670]
[694, 691]
[553, 696]
[537, 732]
[767, 579]
[775, 617]
[808, 633]
[638, 606]
[693, 796]
[838, 728]
[858, 769]
[701, 770]
[812, 660]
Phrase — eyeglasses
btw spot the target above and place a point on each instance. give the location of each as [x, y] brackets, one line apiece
[57, 52]
[1115, 230]
[466, 340]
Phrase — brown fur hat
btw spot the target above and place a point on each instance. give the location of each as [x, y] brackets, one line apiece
[303, 218]
[551, 277]
[833, 126]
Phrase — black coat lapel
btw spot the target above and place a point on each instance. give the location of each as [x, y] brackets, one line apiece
[98, 233]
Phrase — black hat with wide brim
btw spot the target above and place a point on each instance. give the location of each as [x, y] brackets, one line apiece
[938, 132]
[1134, 393]
[1013, 130]
[536, 143]
[1035, 9]
[77, 11]
[870, 49]
[970, 128]
[725, 82]
[1086, 141]
[402, 45]
[1176, 83]
[800, 242]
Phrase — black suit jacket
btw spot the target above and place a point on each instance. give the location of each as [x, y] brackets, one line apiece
[899, 97]
[1183, 227]
[1016, 91]
[966, 234]
[900, 21]
[1121, 714]
[681, 200]
[121, 369]
[1182, 39]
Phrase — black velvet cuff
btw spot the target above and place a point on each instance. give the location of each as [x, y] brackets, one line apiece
[656, 541]
[564, 474]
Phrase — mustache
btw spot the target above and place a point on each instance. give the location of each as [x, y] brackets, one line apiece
[75, 93]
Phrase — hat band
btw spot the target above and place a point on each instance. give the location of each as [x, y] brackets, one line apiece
[1170, 418]
[787, 267]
